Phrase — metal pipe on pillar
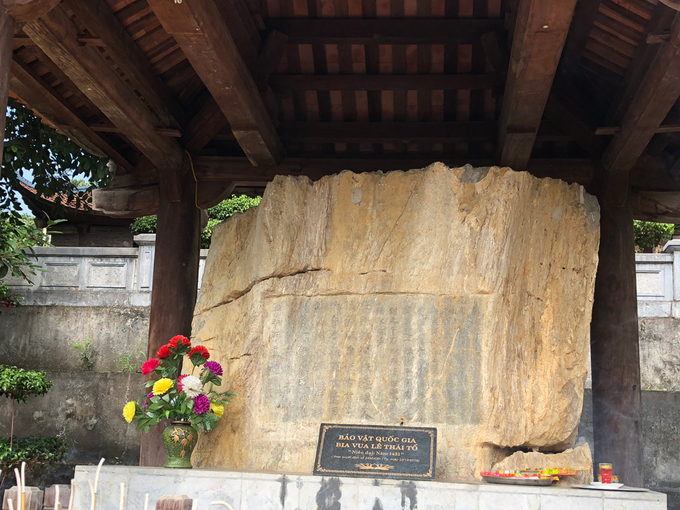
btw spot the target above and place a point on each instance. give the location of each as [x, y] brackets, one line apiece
[6, 46]
[175, 280]
[614, 345]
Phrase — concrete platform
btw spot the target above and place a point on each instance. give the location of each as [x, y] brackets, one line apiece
[264, 491]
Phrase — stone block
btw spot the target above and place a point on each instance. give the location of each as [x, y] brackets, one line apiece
[455, 298]
[34, 499]
[64, 496]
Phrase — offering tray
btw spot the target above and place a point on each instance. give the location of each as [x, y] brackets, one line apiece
[506, 480]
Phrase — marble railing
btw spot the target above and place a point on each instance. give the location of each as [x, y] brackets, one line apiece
[658, 282]
[124, 277]
[94, 276]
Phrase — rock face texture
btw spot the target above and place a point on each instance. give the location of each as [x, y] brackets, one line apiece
[455, 298]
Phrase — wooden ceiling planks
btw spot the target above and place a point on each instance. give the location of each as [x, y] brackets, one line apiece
[352, 78]
[420, 64]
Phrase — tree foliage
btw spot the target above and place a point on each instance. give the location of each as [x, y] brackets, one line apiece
[33, 450]
[18, 236]
[19, 384]
[34, 148]
[217, 214]
[649, 235]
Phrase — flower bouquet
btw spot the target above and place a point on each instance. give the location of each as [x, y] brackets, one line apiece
[189, 401]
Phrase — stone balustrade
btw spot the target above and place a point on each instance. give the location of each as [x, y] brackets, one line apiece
[94, 276]
[658, 282]
[124, 277]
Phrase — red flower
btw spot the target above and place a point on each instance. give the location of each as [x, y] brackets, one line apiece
[163, 352]
[150, 365]
[175, 340]
[179, 382]
[199, 349]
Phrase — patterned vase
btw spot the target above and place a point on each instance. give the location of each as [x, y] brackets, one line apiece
[179, 440]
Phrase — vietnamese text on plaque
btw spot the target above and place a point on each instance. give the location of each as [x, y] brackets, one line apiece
[375, 451]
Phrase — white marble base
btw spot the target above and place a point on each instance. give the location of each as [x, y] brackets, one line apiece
[263, 491]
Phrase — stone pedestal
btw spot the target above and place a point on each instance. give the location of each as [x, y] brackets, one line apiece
[64, 496]
[451, 298]
[261, 491]
[34, 498]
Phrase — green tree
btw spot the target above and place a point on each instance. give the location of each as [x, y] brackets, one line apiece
[18, 236]
[217, 214]
[34, 148]
[649, 235]
[18, 385]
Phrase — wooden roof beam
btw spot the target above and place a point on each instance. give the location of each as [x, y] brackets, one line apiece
[30, 89]
[201, 32]
[97, 16]
[216, 169]
[656, 95]
[661, 20]
[55, 34]
[28, 10]
[6, 31]
[539, 36]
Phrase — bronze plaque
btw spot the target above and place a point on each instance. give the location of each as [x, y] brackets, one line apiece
[373, 451]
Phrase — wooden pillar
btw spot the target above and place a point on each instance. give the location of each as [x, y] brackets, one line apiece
[617, 407]
[6, 46]
[175, 281]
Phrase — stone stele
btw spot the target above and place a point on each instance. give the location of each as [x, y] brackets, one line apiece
[455, 298]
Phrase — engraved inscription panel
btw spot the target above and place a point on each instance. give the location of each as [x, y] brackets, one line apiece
[377, 452]
[402, 355]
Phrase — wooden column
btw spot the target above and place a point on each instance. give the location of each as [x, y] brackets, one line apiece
[175, 281]
[6, 45]
[617, 407]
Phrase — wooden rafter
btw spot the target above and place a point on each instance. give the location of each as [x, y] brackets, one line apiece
[6, 33]
[28, 10]
[96, 15]
[384, 82]
[384, 31]
[657, 93]
[30, 89]
[55, 34]
[200, 30]
[539, 36]
[661, 20]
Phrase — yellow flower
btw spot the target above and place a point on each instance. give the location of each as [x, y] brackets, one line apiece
[218, 409]
[162, 385]
[129, 411]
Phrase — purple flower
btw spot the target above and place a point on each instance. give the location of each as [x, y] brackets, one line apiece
[201, 404]
[214, 367]
[148, 397]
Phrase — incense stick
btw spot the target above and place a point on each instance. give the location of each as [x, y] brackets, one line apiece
[122, 496]
[146, 501]
[56, 497]
[23, 486]
[223, 503]
[70, 499]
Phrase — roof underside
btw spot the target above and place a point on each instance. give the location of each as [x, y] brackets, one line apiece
[381, 81]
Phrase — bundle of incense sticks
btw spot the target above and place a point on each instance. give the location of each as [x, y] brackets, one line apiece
[21, 485]
[93, 488]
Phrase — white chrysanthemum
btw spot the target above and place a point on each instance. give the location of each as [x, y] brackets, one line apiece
[192, 386]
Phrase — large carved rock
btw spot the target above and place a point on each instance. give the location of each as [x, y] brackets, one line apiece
[452, 298]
